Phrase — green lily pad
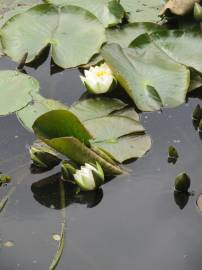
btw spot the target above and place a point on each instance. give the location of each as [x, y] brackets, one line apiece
[62, 131]
[125, 148]
[39, 106]
[111, 127]
[105, 127]
[151, 78]
[61, 123]
[31, 31]
[128, 32]
[128, 112]
[99, 8]
[16, 91]
[10, 8]
[96, 107]
[108, 120]
[142, 11]
[182, 46]
[81, 154]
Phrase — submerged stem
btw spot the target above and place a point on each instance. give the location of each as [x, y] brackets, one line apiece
[60, 248]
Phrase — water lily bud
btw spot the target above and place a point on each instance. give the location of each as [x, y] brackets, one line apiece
[197, 12]
[99, 79]
[4, 179]
[172, 152]
[197, 113]
[182, 182]
[43, 157]
[89, 177]
[67, 170]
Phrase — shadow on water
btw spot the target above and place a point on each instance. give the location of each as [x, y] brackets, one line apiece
[181, 199]
[47, 193]
[138, 224]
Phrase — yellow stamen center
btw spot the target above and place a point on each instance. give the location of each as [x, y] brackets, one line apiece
[102, 73]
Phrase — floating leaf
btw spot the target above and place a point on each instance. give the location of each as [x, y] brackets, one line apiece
[96, 107]
[108, 120]
[125, 148]
[112, 127]
[144, 10]
[182, 46]
[79, 153]
[127, 112]
[61, 123]
[128, 32]
[16, 90]
[99, 8]
[40, 105]
[10, 8]
[148, 75]
[64, 29]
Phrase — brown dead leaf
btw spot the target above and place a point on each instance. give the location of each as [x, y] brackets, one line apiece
[179, 7]
[199, 202]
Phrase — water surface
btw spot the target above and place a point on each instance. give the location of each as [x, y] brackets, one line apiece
[134, 222]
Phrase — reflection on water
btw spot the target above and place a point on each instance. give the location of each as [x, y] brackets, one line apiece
[47, 193]
[181, 198]
[140, 222]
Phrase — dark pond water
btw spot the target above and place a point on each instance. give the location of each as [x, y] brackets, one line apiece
[135, 222]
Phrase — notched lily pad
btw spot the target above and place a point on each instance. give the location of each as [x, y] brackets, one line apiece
[125, 34]
[39, 106]
[151, 78]
[182, 46]
[63, 29]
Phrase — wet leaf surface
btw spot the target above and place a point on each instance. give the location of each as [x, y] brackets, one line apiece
[99, 8]
[16, 91]
[142, 11]
[149, 77]
[44, 25]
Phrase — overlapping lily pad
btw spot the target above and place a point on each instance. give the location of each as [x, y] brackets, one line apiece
[92, 108]
[68, 136]
[125, 34]
[151, 78]
[182, 46]
[39, 106]
[10, 8]
[109, 126]
[135, 146]
[31, 31]
[16, 90]
[143, 11]
[100, 8]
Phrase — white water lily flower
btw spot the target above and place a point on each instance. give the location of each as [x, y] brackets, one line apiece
[99, 79]
[89, 177]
